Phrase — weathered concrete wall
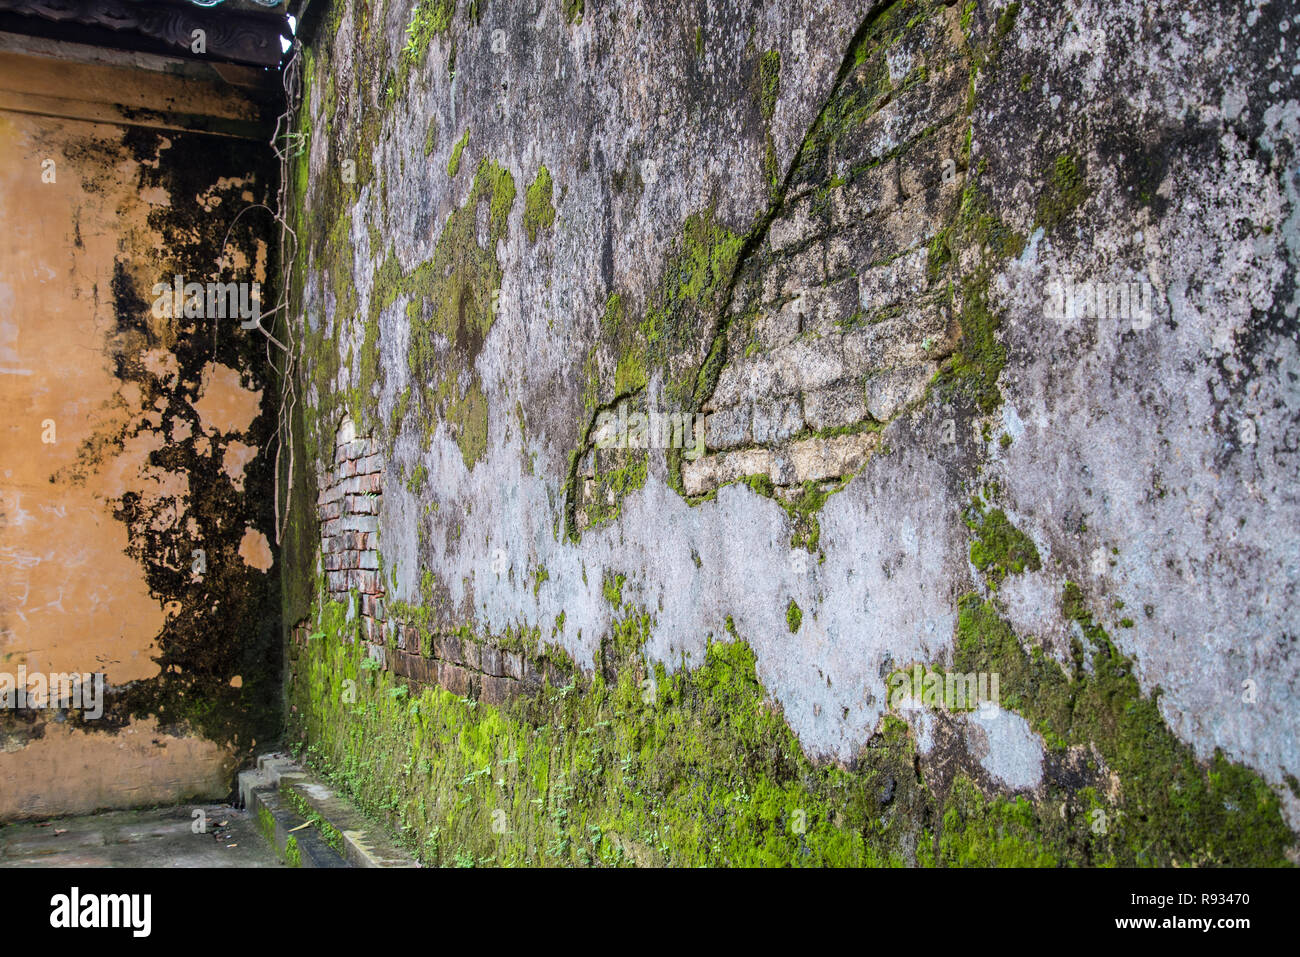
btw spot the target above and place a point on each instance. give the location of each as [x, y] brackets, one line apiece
[135, 506]
[843, 235]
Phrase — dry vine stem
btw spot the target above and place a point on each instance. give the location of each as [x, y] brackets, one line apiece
[288, 256]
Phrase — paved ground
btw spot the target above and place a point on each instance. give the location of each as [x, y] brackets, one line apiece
[158, 837]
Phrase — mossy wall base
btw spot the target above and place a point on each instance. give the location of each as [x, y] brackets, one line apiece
[830, 234]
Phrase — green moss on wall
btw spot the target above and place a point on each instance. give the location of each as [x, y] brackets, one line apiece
[1171, 809]
[539, 214]
[453, 298]
[266, 825]
[430, 19]
[998, 548]
[793, 616]
[700, 770]
[974, 370]
[803, 508]
[1007, 19]
[769, 82]
[681, 313]
[453, 162]
[595, 770]
[769, 88]
[983, 832]
[1065, 191]
[863, 87]
[467, 415]
[327, 831]
[636, 766]
[695, 284]
[619, 472]
[450, 298]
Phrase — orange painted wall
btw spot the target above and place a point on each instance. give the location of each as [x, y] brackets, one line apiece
[131, 444]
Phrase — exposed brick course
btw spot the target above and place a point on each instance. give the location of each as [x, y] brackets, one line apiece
[349, 504]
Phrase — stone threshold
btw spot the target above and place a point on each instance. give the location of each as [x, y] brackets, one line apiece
[310, 824]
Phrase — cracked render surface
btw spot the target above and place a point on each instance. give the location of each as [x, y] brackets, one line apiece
[1150, 460]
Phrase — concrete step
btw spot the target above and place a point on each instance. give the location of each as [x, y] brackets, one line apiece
[283, 829]
[285, 790]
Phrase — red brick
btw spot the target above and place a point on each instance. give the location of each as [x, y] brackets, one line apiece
[330, 493]
[470, 655]
[512, 665]
[490, 661]
[496, 690]
[447, 647]
[454, 678]
[362, 505]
